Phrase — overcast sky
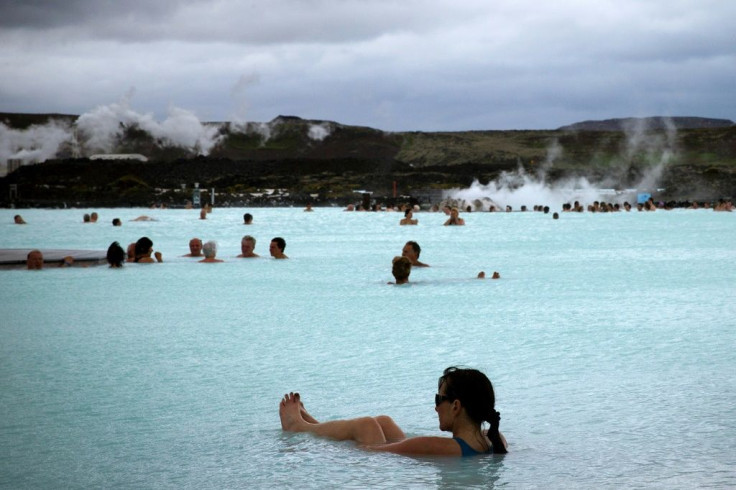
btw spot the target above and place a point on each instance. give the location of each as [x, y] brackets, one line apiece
[392, 65]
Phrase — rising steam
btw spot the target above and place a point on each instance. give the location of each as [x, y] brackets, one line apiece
[319, 132]
[35, 144]
[102, 130]
[519, 188]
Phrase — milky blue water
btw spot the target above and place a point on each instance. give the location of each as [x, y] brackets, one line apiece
[610, 340]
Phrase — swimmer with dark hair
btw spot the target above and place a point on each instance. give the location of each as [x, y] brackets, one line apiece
[18, 220]
[408, 215]
[465, 399]
[276, 248]
[411, 251]
[144, 250]
[115, 255]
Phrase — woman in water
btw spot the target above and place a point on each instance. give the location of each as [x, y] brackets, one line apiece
[465, 400]
[454, 218]
[115, 255]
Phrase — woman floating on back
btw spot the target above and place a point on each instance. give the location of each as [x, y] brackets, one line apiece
[465, 400]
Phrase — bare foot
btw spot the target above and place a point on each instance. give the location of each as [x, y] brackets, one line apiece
[290, 413]
[303, 412]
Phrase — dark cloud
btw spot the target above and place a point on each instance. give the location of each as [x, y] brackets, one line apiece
[414, 64]
[45, 14]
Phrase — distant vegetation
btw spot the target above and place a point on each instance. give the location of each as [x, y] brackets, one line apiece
[323, 161]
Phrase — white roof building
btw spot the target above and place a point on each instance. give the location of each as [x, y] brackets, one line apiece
[119, 156]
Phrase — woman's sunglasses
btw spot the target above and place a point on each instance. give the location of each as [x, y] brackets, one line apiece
[440, 398]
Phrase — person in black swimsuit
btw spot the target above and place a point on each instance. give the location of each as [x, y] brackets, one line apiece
[465, 400]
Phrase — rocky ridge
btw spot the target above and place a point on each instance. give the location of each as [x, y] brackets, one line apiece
[326, 162]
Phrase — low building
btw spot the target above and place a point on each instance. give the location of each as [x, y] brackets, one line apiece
[119, 156]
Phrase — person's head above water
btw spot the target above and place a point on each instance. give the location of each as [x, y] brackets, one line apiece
[276, 248]
[115, 255]
[130, 252]
[247, 218]
[411, 251]
[401, 268]
[474, 392]
[247, 246]
[143, 247]
[34, 260]
[195, 247]
[410, 248]
[210, 249]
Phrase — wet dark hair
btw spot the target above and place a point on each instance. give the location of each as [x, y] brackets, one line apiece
[407, 211]
[416, 247]
[475, 392]
[247, 217]
[115, 255]
[280, 242]
[142, 246]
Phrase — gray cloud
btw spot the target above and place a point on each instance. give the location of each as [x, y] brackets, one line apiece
[393, 65]
[46, 14]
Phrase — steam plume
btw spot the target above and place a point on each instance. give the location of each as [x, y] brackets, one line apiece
[654, 151]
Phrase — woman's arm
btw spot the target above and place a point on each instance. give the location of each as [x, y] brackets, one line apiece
[437, 446]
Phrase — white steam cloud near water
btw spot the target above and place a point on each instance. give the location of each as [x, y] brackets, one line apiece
[519, 188]
[104, 126]
[101, 129]
[35, 144]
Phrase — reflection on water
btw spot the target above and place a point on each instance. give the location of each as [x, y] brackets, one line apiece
[600, 335]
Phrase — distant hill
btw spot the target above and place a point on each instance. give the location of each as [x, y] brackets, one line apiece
[656, 123]
[308, 158]
[23, 121]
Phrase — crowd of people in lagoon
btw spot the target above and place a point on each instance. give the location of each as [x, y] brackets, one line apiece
[142, 251]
